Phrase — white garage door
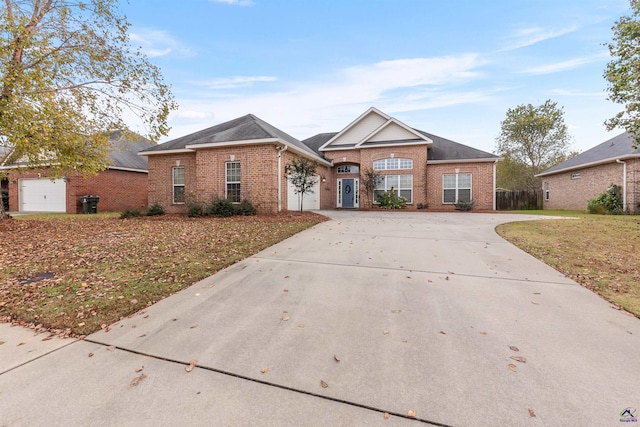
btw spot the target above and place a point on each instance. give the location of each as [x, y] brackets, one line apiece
[310, 200]
[43, 195]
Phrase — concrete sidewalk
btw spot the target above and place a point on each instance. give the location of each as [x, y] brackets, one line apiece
[393, 312]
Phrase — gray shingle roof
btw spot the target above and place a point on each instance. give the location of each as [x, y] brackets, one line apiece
[124, 153]
[244, 128]
[444, 149]
[441, 149]
[610, 150]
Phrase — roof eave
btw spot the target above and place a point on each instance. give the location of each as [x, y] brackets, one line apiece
[590, 164]
[481, 160]
[157, 152]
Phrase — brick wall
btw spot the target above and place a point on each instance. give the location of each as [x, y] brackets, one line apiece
[118, 190]
[481, 186]
[160, 183]
[574, 194]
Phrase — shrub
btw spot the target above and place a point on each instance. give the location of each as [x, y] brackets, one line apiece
[423, 206]
[129, 213]
[609, 202]
[464, 206]
[391, 200]
[245, 208]
[155, 209]
[195, 210]
[5, 199]
[221, 207]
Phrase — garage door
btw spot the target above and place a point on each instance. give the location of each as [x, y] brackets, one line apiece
[310, 200]
[43, 195]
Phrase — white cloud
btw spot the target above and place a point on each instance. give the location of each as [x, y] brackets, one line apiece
[321, 105]
[529, 36]
[155, 43]
[566, 65]
[234, 82]
[235, 2]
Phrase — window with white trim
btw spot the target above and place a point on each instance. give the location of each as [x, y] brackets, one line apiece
[399, 184]
[456, 188]
[546, 191]
[178, 184]
[392, 164]
[348, 169]
[232, 182]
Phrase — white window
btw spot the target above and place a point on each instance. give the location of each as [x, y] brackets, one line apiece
[456, 188]
[348, 169]
[232, 187]
[400, 184]
[178, 184]
[392, 164]
[546, 191]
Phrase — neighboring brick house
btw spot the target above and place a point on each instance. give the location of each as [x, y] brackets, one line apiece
[122, 186]
[247, 158]
[571, 184]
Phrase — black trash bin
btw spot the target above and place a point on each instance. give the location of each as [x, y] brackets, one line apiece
[85, 204]
[93, 204]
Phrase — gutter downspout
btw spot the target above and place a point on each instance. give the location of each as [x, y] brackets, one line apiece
[624, 184]
[281, 150]
[495, 165]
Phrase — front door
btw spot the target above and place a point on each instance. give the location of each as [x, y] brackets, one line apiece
[348, 193]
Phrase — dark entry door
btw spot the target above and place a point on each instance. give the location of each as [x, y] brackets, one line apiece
[348, 192]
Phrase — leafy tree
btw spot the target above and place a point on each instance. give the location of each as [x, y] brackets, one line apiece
[533, 138]
[369, 179]
[302, 175]
[517, 175]
[622, 73]
[68, 74]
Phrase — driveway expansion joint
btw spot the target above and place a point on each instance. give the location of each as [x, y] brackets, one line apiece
[275, 385]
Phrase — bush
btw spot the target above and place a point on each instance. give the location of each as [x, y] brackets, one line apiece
[464, 206]
[245, 208]
[221, 207]
[609, 202]
[129, 213]
[155, 209]
[423, 206]
[195, 210]
[5, 199]
[391, 200]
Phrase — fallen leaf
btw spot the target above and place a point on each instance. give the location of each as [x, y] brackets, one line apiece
[285, 318]
[531, 413]
[80, 324]
[386, 331]
[483, 333]
[514, 348]
[300, 326]
[139, 369]
[286, 290]
[90, 354]
[111, 348]
[284, 311]
[519, 359]
[536, 303]
[195, 325]
[286, 277]
[386, 416]
[191, 365]
[396, 311]
[264, 370]
[137, 380]
[324, 384]
[336, 358]
[443, 332]
[411, 413]
[512, 367]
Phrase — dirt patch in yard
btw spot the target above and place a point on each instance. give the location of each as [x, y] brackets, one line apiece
[76, 274]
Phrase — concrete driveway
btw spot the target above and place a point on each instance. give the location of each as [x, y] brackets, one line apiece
[367, 314]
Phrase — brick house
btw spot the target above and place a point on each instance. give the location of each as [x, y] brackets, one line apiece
[571, 184]
[247, 158]
[122, 186]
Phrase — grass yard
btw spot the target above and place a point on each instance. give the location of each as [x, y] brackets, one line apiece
[76, 274]
[601, 252]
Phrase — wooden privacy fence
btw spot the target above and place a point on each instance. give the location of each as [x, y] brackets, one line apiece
[518, 200]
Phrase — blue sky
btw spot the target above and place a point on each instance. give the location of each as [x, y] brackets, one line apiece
[451, 68]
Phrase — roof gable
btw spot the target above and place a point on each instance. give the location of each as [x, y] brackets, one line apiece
[618, 147]
[374, 127]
